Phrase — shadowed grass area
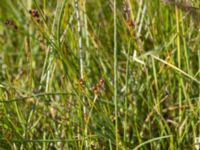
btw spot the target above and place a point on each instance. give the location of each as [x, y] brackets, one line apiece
[116, 74]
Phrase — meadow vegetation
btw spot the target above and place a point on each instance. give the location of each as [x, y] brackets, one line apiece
[99, 74]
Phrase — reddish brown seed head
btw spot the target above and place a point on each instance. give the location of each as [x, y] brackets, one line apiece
[101, 82]
[95, 89]
[34, 13]
[81, 83]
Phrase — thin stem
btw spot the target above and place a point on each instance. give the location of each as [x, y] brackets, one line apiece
[178, 70]
[115, 75]
[126, 92]
[179, 64]
[79, 38]
[90, 112]
[81, 62]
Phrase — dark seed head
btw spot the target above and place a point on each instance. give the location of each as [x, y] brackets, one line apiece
[34, 13]
[10, 23]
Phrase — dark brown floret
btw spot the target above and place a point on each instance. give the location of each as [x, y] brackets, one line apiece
[34, 13]
[10, 23]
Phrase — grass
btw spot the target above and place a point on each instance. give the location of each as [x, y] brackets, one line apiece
[99, 74]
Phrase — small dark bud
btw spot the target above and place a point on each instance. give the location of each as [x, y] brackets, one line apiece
[34, 13]
[10, 23]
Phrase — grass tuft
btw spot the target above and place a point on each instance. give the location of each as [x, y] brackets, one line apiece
[99, 74]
